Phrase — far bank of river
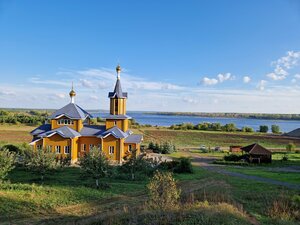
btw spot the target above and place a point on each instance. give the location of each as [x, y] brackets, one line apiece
[168, 120]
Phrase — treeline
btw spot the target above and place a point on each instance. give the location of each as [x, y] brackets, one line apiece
[233, 115]
[31, 117]
[230, 127]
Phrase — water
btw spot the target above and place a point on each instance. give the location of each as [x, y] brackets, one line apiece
[168, 120]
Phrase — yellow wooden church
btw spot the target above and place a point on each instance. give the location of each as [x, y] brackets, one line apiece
[69, 132]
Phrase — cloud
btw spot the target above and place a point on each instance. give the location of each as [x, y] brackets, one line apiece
[297, 76]
[209, 81]
[224, 77]
[246, 79]
[36, 80]
[219, 79]
[60, 95]
[190, 100]
[86, 83]
[7, 92]
[94, 97]
[283, 65]
[261, 85]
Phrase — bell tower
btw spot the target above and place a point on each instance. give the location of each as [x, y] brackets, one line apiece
[118, 99]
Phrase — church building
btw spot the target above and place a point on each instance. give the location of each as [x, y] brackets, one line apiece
[69, 132]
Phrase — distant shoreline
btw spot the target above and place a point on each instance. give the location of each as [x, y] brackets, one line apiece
[265, 116]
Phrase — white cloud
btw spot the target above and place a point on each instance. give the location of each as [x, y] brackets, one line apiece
[37, 80]
[60, 95]
[94, 97]
[261, 85]
[224, 77]
[86, 83]
[190, 100]
[246, 79]
[7, 92]
[209, 81]
[297, 76]
[283, 65]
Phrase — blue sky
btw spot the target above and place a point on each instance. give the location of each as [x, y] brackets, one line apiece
[205, 56]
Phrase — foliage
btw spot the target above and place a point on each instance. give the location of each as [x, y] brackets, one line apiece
[263, 128]
[275, 129]
[247, 129]
[163, 191]
[184, 165]
[40, 161]
[285, 157]
[134, 163]
[163, 148]
[233, 157]
[94, 164]
[31, 117]
[7, 160]
[290, 147]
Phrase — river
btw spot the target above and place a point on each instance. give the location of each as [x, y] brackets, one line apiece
[168, 120]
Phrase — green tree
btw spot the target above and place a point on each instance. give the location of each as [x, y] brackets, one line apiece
[275, 129]
[290, 147]
[94, 164]
[134, 162]
[247, 129]
[40, 161]
[263, 129]
[163, 191]
[7, 160]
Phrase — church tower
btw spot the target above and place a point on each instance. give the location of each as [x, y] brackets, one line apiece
[118, 99]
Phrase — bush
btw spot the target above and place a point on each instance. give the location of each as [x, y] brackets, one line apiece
[247, 129]
[290, 147]
[184, 166]
[7, 160]
[275, 129]
[233, 157]
[285, 157]
[163, 148]
[163, 192]
[263, 129]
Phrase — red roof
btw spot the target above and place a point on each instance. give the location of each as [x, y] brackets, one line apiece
[256, 149]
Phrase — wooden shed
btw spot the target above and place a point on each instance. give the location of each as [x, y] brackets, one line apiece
[257, 153]
[235, 148]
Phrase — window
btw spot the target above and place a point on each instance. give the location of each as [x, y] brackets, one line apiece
[67, 150]
[57, 149]
[130, 148]
[111, 150]
[65, 122]
[49, 148]
[99, 147]
[83, 147]
[115, 123]
[39, 147]
[116, 106]
[91, 146]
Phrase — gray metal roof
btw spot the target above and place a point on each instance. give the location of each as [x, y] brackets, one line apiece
[72, 111]
[116, 132]
[92, 130]
[64, 131]
[117, 91]
[41, 129]
[134, 138]
[293, 133]
[122, 117]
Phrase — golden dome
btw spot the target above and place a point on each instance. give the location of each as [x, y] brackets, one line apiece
[72, 93]
[118, 68]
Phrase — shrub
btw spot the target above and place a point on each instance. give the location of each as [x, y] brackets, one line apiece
[94, 164]
[275, 129]
[263, 129]
[163, 192]
[7, 160]
[285, 157]
[40, 161]
[233, 157]
[290, 147]
[184, 166]
[247, 129]
[163, 148]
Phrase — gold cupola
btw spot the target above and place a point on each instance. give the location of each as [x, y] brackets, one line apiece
[72, 94]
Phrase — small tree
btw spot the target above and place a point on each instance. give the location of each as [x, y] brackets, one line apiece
[290, 147]
[134, 162]
[94, 164]
[275, 129]
[163, 191]
[7, 160]
[41, 161]
[263, 129]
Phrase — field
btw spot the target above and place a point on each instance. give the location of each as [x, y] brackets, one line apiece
[210, 196]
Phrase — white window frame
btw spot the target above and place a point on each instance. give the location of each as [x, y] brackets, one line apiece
[83, 147]
[65, 122]
[111, 150]
[91, 146]
[129, 148]
[99, 147]
[49, 147]
[67, 150]
[57, 147]
[39, 147]
[115, 123]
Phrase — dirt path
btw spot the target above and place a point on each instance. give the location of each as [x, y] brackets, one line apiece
[206, 163]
